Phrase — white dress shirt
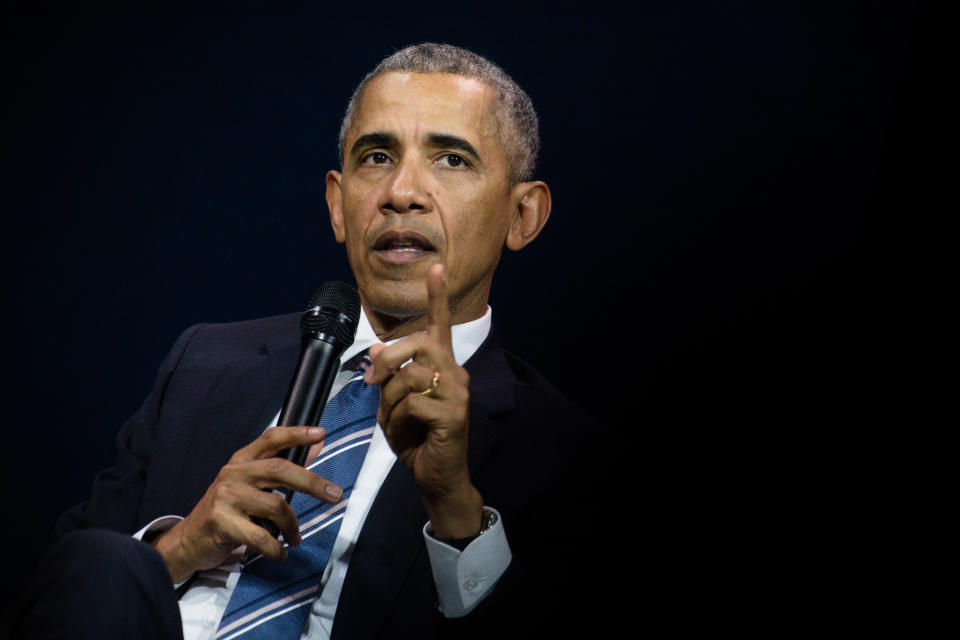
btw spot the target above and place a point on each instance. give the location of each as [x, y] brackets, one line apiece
[462, 579]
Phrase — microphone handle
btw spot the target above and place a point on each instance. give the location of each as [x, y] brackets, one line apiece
[306, 397]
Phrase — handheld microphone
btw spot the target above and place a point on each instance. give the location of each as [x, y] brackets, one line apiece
[328, 327]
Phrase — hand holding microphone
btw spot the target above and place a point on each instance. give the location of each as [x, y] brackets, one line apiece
[248, 502]
[328, 327]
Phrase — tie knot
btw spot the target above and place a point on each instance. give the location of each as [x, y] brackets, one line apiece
[357, 365]
[364, 364]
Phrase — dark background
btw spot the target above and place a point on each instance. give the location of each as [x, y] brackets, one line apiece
[703, 286]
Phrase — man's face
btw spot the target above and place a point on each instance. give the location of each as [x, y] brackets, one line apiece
[425, 180]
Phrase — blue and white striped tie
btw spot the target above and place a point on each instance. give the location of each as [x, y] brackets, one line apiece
[272, 599]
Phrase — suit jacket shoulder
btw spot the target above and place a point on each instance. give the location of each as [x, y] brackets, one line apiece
[214, 392]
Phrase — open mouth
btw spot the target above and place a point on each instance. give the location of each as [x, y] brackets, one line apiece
[400, 246]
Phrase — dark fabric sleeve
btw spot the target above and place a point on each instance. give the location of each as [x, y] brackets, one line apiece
[574, 559]
[573, 519]
[115, 498]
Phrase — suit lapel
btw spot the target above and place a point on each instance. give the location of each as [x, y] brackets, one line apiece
[259, 381]
[492, 389]
[389, 543]
[391, 539]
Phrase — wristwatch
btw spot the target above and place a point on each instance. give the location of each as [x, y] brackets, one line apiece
[488, 519]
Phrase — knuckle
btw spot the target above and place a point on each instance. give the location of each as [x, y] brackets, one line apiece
[261, 538]
[273, 466]
[412, 402]
[276, 504]
[418, 379]
[221, 491]
[275, 436]
[385, 355]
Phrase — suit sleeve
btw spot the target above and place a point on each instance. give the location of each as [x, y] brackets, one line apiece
[571, 555]
[117, 492]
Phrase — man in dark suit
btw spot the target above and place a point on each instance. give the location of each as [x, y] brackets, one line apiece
[489, 507]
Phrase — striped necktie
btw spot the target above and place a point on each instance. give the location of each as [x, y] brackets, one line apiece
[272, 599]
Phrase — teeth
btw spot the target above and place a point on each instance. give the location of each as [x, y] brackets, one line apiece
[404, 246]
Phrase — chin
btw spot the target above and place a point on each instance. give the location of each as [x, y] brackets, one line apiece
[397, 300]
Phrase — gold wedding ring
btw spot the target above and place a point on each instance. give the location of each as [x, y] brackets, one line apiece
[433, 385]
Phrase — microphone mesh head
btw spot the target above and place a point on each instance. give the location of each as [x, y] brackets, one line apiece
[339, 311]
[339, 296]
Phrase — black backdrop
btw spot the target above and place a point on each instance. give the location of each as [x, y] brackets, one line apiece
[714, 167]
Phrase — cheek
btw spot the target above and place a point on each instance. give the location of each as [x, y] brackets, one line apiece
[478, 239]
[352, 201]
[354, 222]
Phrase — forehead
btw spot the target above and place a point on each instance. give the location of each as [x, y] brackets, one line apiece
[413, 104]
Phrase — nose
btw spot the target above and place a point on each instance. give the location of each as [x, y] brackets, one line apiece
[405, 190]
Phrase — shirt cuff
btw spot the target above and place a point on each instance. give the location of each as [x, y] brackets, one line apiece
[156, 527]
[159, 525]
[464, 578]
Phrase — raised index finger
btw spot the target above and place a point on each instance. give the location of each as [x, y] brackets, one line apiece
[438, 307]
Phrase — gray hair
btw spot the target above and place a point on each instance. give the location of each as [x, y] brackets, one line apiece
[517, 121]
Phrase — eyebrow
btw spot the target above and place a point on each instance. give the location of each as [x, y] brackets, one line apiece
[452, 142]
[388, 140]
[375, 139]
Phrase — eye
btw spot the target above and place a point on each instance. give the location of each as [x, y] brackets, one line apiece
[377, 157]
[452, 160]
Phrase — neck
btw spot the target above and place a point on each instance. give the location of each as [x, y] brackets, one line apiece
[390, 327]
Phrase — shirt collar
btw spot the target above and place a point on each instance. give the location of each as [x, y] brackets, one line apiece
[467, 337]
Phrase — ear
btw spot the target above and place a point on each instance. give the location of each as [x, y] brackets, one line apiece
[335, 204]
[531, 209]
